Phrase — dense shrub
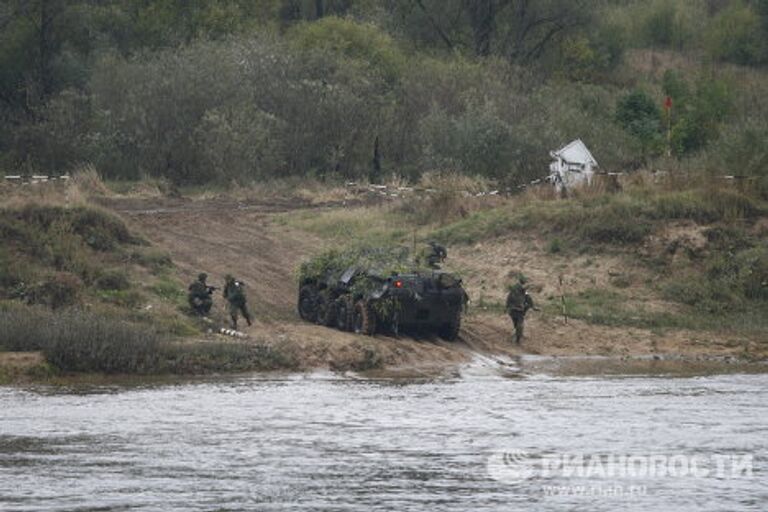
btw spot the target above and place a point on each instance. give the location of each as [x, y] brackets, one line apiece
[639, 115]
[700, 107]
[362, 43]
[474, 142]
[741, 148]
[737, 35]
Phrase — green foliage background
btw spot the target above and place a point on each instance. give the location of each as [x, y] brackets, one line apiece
[236, 90]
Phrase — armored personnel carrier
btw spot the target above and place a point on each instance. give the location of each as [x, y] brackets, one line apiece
[377, 290]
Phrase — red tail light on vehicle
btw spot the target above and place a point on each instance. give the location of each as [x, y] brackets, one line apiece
[398, 284]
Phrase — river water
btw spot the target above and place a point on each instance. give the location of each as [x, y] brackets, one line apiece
[476, 440]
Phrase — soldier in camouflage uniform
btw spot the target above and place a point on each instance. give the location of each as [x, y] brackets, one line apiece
[518, 304]
[234, 292]
[432, 255]
[200, 296]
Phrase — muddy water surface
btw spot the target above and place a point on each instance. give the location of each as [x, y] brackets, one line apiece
[323, 442]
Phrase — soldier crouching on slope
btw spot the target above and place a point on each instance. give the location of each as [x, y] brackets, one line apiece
[234, 292]
[433, 255]
[200, 296]
[518, 304]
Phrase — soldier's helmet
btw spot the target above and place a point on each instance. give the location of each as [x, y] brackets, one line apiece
[522, 279]
[228, 278]
[202, 276]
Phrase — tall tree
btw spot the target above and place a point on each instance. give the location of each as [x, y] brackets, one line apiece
[520, 30]
[482, 18]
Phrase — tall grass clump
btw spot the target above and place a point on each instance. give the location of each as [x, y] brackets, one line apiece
[24, 328]
[89, 342]
[81, 341]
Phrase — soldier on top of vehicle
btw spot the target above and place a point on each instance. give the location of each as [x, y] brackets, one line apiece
[432, 255]
[519, 302]
[234, 292]
[200, 295]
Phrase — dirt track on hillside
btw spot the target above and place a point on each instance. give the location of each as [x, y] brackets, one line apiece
[247, 239]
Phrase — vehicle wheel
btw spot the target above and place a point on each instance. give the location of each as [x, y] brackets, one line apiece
[449, 331]
[326, 310]
[344, 314]
[364, 319]
[308, 303]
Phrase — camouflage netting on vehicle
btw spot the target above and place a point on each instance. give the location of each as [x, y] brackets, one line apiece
[374, 261]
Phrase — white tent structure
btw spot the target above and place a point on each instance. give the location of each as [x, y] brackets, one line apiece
[572, 165]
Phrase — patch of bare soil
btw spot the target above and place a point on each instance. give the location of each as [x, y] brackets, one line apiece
[221, 236]
[21, 366]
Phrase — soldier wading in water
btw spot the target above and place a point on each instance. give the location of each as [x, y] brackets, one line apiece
[234, 292]
[518, 304]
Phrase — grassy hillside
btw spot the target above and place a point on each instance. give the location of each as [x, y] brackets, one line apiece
[693, 258]
[62, 255]
[79, 285]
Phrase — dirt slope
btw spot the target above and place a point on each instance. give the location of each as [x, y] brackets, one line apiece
[246, 239]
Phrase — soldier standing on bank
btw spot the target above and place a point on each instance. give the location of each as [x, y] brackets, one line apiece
[518, 304]
[234, 292]
[200, 296]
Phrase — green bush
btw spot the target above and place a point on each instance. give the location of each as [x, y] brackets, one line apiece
[736, 35]
[359, 42]
[741, 148]
[664, 25]
[590, 58]
[474, 142]
[639, 115]
[698, 115]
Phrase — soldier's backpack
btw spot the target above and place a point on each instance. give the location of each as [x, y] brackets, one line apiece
[236, 292]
